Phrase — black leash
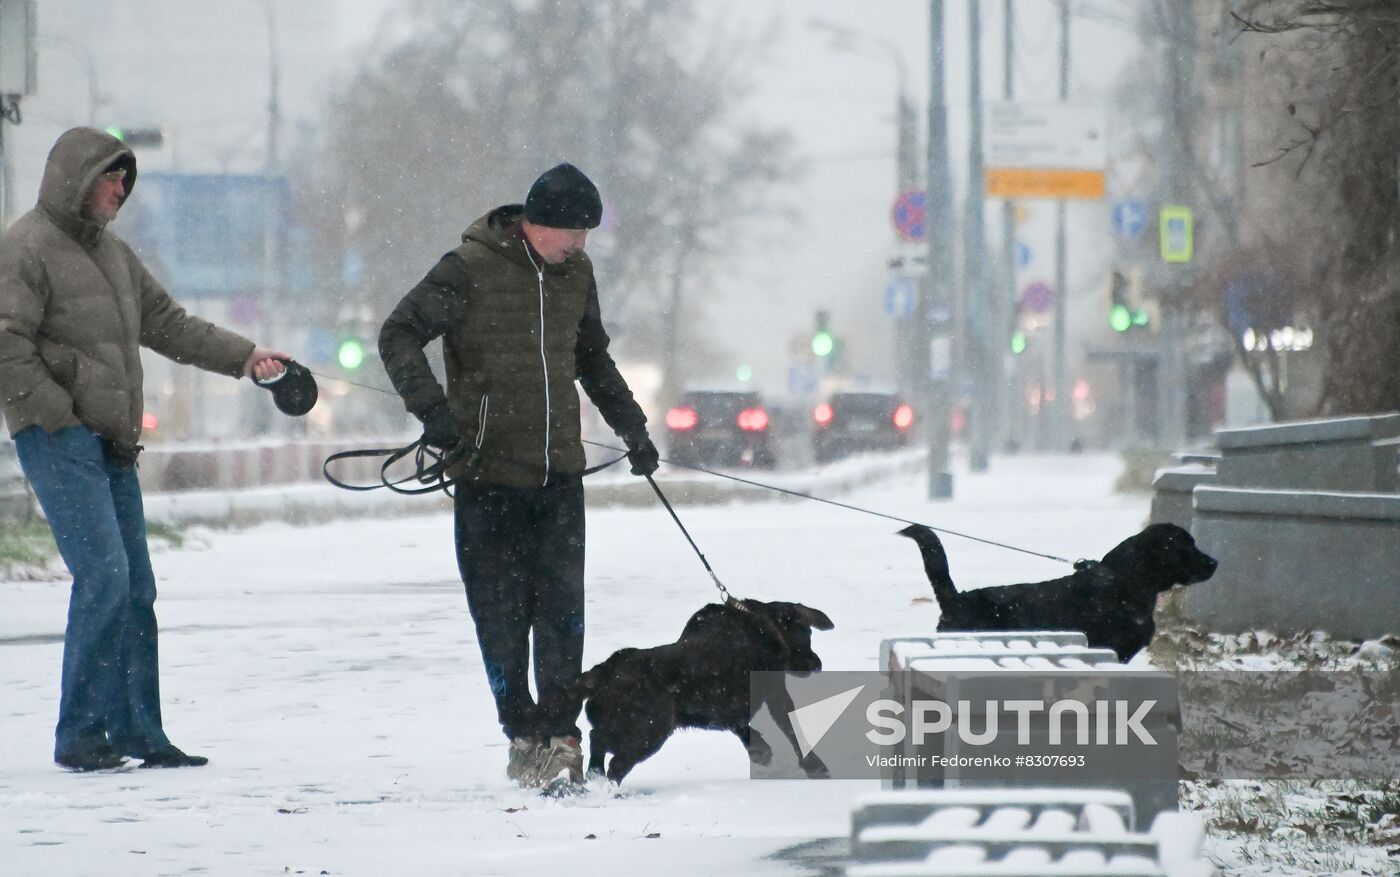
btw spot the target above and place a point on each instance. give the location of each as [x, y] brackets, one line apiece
[854, 508]
[435, 474]
[723, 591]
[430, 468]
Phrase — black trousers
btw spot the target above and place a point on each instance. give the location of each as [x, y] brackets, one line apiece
[520, 553]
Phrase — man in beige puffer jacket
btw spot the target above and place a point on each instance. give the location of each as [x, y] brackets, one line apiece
[76, 306]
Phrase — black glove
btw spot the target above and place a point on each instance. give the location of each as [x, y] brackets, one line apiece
[642, 454]
[439, 429]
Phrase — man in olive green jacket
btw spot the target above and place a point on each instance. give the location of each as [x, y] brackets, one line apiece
[517, 309]
[76, 306]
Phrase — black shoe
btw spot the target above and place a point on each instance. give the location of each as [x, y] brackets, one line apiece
[101, 758]
[172, 757]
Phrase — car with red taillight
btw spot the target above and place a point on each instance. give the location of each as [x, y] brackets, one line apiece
[720, 428]
[856, 422]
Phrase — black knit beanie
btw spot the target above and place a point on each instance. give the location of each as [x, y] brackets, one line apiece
[564, 198]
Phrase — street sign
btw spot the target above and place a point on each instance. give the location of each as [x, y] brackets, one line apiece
[1045, 150]
[1037, 298]
[1177, 234]
[910, 215]
[1129, 219]
[900, 296]
[1023, 254]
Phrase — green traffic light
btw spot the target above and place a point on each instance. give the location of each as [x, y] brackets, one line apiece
[822, 344]
[1018, 343]
[351, 354]
[1139, 318]
[744, 373]
[1119, 318]
[115, 132]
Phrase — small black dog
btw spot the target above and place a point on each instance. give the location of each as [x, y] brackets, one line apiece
[638, 697]
[1110, 601]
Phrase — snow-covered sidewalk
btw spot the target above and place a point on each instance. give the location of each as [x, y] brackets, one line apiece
[331, 674]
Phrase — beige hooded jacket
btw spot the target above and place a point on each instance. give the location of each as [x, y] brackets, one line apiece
[76, 305]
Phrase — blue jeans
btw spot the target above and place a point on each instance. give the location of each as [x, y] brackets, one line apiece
[111, 678]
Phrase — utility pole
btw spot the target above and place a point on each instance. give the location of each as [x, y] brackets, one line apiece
[975, 304]
[1006, 302]
[933, 313]
[1171, 371]
[1060, 408]
[19, 66]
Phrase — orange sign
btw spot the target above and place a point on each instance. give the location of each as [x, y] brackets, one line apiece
[1056, 184]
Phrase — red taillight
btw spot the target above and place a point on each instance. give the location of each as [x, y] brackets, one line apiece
[682, 418]
[903, 416]
[149, 422]
[823, 414]
[753, 419]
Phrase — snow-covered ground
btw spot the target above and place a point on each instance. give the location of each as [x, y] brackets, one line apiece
[331, 674]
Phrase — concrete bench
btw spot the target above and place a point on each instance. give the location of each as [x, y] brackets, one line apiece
[1293, 561]
[1021, 833]
[922, 646]
[1146, 772]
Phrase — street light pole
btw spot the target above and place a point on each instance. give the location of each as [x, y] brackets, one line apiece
[975, 303]
[933, 312]
[1060, 408]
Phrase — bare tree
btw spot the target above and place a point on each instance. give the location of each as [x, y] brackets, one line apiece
[467, 102]
[1337, 65]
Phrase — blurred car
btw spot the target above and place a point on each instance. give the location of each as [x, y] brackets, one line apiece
[720, 428]
[849, 423]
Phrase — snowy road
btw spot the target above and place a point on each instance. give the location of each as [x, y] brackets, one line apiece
[331, 675]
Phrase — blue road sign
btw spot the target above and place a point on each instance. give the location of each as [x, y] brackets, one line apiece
[899, 297]
[1129, 219]
[1023, 254]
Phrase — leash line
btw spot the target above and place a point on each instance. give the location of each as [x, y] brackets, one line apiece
[848, 506]
[723, 591]
[759, 484]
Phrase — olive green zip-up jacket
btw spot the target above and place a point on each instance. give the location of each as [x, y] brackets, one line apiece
[76, 306]
[516, 333]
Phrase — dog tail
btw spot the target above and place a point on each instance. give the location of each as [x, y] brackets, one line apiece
[935, 563]
[566, 702]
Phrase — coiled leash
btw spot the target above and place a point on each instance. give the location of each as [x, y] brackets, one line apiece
[430, 467]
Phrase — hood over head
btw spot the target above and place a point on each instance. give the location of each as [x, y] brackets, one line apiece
[78, 157]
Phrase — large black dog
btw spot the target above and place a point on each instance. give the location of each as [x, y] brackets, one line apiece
[638, 697]
[1111, 601]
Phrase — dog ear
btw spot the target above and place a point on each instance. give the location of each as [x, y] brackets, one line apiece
[814, 618]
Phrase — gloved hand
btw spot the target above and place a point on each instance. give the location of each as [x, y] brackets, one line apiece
[642, 454]
[439, 429]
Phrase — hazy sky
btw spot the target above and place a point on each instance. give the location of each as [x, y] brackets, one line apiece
[838, 104]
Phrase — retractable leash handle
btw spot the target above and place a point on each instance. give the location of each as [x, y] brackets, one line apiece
[293, 389]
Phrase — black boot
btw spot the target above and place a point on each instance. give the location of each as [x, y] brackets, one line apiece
[99, 758]
[170, 756]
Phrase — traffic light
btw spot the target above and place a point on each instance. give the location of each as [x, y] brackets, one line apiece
[350, 354]
[1122, 315]
[1018, 342]
[822, 342]
[138, 137]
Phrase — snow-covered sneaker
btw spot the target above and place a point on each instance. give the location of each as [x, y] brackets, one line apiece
[527, 758]
[564, 753]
